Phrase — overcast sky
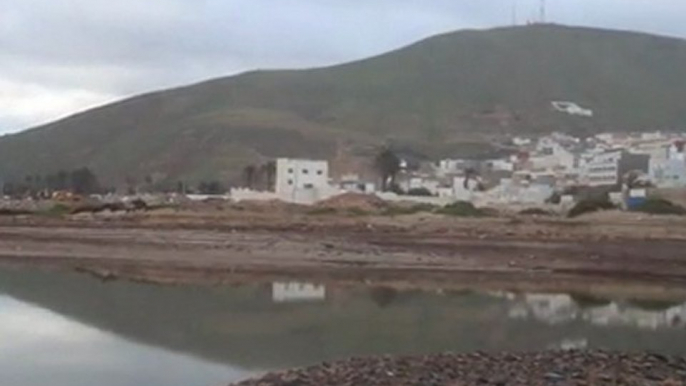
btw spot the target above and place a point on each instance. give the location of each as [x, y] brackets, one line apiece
[60, 57]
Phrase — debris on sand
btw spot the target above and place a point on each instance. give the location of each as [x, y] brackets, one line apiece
[569, 368]
[347, 201]
[268, 206]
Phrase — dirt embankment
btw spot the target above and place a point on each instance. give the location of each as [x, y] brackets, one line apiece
[219, 244]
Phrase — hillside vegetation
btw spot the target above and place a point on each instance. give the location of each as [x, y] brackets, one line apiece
[433, 96]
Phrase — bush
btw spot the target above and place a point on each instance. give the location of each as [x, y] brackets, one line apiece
[462, 209]
[660, 206]
[422, 192]
[653, 304]
[403, 210]
[13, 212]
[58, 210]
[322, 211]
[357, 212]
[589, 206]
[535, 212]
[555, 198]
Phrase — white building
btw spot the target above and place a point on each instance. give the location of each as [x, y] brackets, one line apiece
[302, 181]
[608, 168]
[668, 174]
[465, 189]
[571, 108]
[449, 167]
[677, 151]
[500, 164]
[521, 141]
[551, 155]
[354, 184]
[601, 169]
[414, 183]
[510, 192]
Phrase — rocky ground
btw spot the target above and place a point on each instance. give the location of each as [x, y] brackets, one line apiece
[554, 368]
[214, 242]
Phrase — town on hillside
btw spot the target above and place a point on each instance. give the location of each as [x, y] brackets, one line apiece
[555, 169]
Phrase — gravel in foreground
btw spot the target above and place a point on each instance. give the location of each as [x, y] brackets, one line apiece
[556, 368]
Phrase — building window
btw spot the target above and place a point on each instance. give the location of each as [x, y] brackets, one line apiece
[320, 172]
[290, 182]
[305, 171]
[290, 171]
[308, 186]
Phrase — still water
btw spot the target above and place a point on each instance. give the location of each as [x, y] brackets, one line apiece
[64, 329]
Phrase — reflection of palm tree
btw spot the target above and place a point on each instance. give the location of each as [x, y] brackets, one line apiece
[584, 300]
[383, 296]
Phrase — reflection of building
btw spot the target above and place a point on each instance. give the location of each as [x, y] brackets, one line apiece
[297, 292]
[550, 308]
[559, 308]
[571, 344]
[616, 314]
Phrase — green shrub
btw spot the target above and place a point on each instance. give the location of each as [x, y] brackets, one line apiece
[58, 210]
[653, 304]
[322, 211]
[357, 212]
[535, 212]
[585, 300]
[423, 192]
[660, 206]
[589, 206]
[404, 210]
[13, 212]
[462, 209]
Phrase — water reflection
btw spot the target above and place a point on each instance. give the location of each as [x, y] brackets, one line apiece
[561, 308]
[259, 327]
[297, 292]
[41, 348]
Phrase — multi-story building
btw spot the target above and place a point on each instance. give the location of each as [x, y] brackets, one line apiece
[670, 173]
[669, 170]
[301, 180]
[550, 154]
[609, 167]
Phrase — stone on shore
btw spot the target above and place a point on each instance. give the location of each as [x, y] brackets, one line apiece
[555, 368]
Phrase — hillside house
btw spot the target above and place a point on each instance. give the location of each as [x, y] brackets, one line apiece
[551, 154]
[354, 184]
[571, 108]
[669, 173]
[302, 181]
[609, 167]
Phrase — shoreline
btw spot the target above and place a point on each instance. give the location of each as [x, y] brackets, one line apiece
[582, 368]
[642, 258]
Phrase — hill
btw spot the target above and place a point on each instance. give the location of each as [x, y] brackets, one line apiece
[433, 96]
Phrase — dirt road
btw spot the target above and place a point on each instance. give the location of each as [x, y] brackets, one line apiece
[594, 254]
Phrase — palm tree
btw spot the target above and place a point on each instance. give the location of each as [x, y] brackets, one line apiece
[249, 174]
[388, 166]
[271, 175]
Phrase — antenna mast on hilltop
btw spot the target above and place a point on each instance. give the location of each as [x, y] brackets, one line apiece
[543, 11]
[514, 12]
